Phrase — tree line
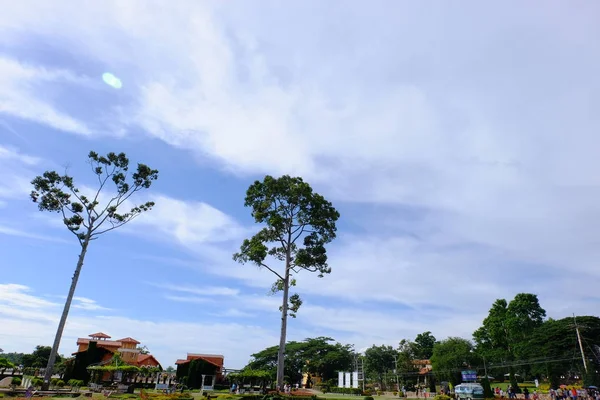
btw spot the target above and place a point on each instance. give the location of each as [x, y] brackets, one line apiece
[515, 342]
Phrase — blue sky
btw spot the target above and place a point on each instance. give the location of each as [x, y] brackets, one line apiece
[458, 143]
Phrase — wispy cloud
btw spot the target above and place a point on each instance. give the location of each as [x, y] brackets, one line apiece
[19, 97]
[84, 303]
[200, 290]
[6, 230]
[29, 320]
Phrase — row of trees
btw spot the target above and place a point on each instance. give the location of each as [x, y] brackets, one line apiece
[515, 342]
[30, 363]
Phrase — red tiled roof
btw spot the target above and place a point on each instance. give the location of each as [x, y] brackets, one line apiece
[99, 335]
[129, 340]
[144, 357]
[100, 343]
[214, 359]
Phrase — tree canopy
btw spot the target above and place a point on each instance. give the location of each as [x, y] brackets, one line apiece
[321, 355]
[450, 356]
[424, 343]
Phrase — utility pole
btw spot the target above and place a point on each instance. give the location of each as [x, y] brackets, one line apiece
[580, 345]
[485, 368]
[396, 373]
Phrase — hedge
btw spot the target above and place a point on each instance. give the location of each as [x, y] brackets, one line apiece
[343, 390]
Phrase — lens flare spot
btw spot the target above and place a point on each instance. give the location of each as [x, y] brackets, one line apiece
[112, 80]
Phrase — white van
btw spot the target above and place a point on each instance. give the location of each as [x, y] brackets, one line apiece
[468, 391]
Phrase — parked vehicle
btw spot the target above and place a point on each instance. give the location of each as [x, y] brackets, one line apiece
[468, 391]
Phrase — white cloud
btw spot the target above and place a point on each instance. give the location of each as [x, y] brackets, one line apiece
[204, 291]
[18, 295]
[84, 303]
[6, 230]
[20, 95]
[188, 222]
[27, 320]
[17, 172]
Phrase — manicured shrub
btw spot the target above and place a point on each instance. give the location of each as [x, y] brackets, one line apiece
[368, 398]
[37, 382]
[60, 383]
[442, 397]
[343, 390]
[16, 381]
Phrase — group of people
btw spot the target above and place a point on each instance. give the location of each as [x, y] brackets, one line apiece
[564, 393]
[512, 394]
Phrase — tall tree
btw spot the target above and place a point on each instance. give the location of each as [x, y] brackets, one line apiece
[405, 366]
[508, 325]
[86, 217]
[450, 356]
[379, 360]
[298, 224]
[424, 345]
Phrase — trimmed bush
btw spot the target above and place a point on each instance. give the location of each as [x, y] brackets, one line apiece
[37, 382]
[343, 390]
[368, 398]
[442, 397]
[16, 381]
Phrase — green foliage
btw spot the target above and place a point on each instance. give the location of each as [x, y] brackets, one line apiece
[442, 397]
[344, 390]
[379, 360]
[557, 340]
[424, 343]
[292, 213]
[83, 215]
[368, 398]
[450, 354]
[505, 330]
[39, 357]
[75, 382]
[15, 381]
[487, 388]
[251, 375]
[194, 371]
[37, 382]
[15, 358]
[314, 355]
[513, 382]
[60, 383]
[298, 223]
[5, 363]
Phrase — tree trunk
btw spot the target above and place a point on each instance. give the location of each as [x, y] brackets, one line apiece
[65, 313]
[284, 311]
